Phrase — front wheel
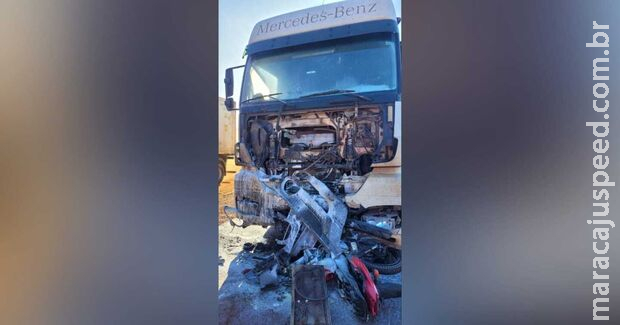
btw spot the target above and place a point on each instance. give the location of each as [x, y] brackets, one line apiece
[386, 260]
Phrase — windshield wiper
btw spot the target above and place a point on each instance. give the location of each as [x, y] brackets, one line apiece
[338, 91]
[265, 96]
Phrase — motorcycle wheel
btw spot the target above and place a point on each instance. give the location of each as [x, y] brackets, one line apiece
[389, 262]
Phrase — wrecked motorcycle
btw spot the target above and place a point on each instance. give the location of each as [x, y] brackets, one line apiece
[318, 230]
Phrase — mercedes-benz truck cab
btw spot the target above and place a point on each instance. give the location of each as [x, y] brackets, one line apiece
[320, 98]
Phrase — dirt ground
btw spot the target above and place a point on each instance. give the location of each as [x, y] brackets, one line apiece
[230, 240]
[241, 301]
[226, 190]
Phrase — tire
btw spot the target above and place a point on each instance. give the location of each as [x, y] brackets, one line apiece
[386, 268]
[221, 169]
[393, 266]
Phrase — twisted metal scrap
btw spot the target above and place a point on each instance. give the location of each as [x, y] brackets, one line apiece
[324, 225]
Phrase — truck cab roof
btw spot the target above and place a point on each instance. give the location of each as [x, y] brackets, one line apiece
[330, 21]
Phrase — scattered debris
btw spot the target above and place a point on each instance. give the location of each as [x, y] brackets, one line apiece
[242, 301]
[248, 247]
[269, 276]
[309, 303]
[316, 232]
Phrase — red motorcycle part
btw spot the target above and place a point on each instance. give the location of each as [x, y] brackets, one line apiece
[368, 285]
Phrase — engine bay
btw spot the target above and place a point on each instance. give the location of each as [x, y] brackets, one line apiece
[335, 145]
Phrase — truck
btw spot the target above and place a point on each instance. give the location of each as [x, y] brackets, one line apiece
[227, 132]
[320, 137]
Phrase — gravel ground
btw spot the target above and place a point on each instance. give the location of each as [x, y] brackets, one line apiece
[241, 301]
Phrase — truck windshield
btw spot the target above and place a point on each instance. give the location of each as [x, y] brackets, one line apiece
[358, 64]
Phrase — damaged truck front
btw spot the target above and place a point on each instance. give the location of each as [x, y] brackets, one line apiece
[319, 134]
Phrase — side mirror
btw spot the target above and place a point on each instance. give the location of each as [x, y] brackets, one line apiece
[229, 103]
[229, 82]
